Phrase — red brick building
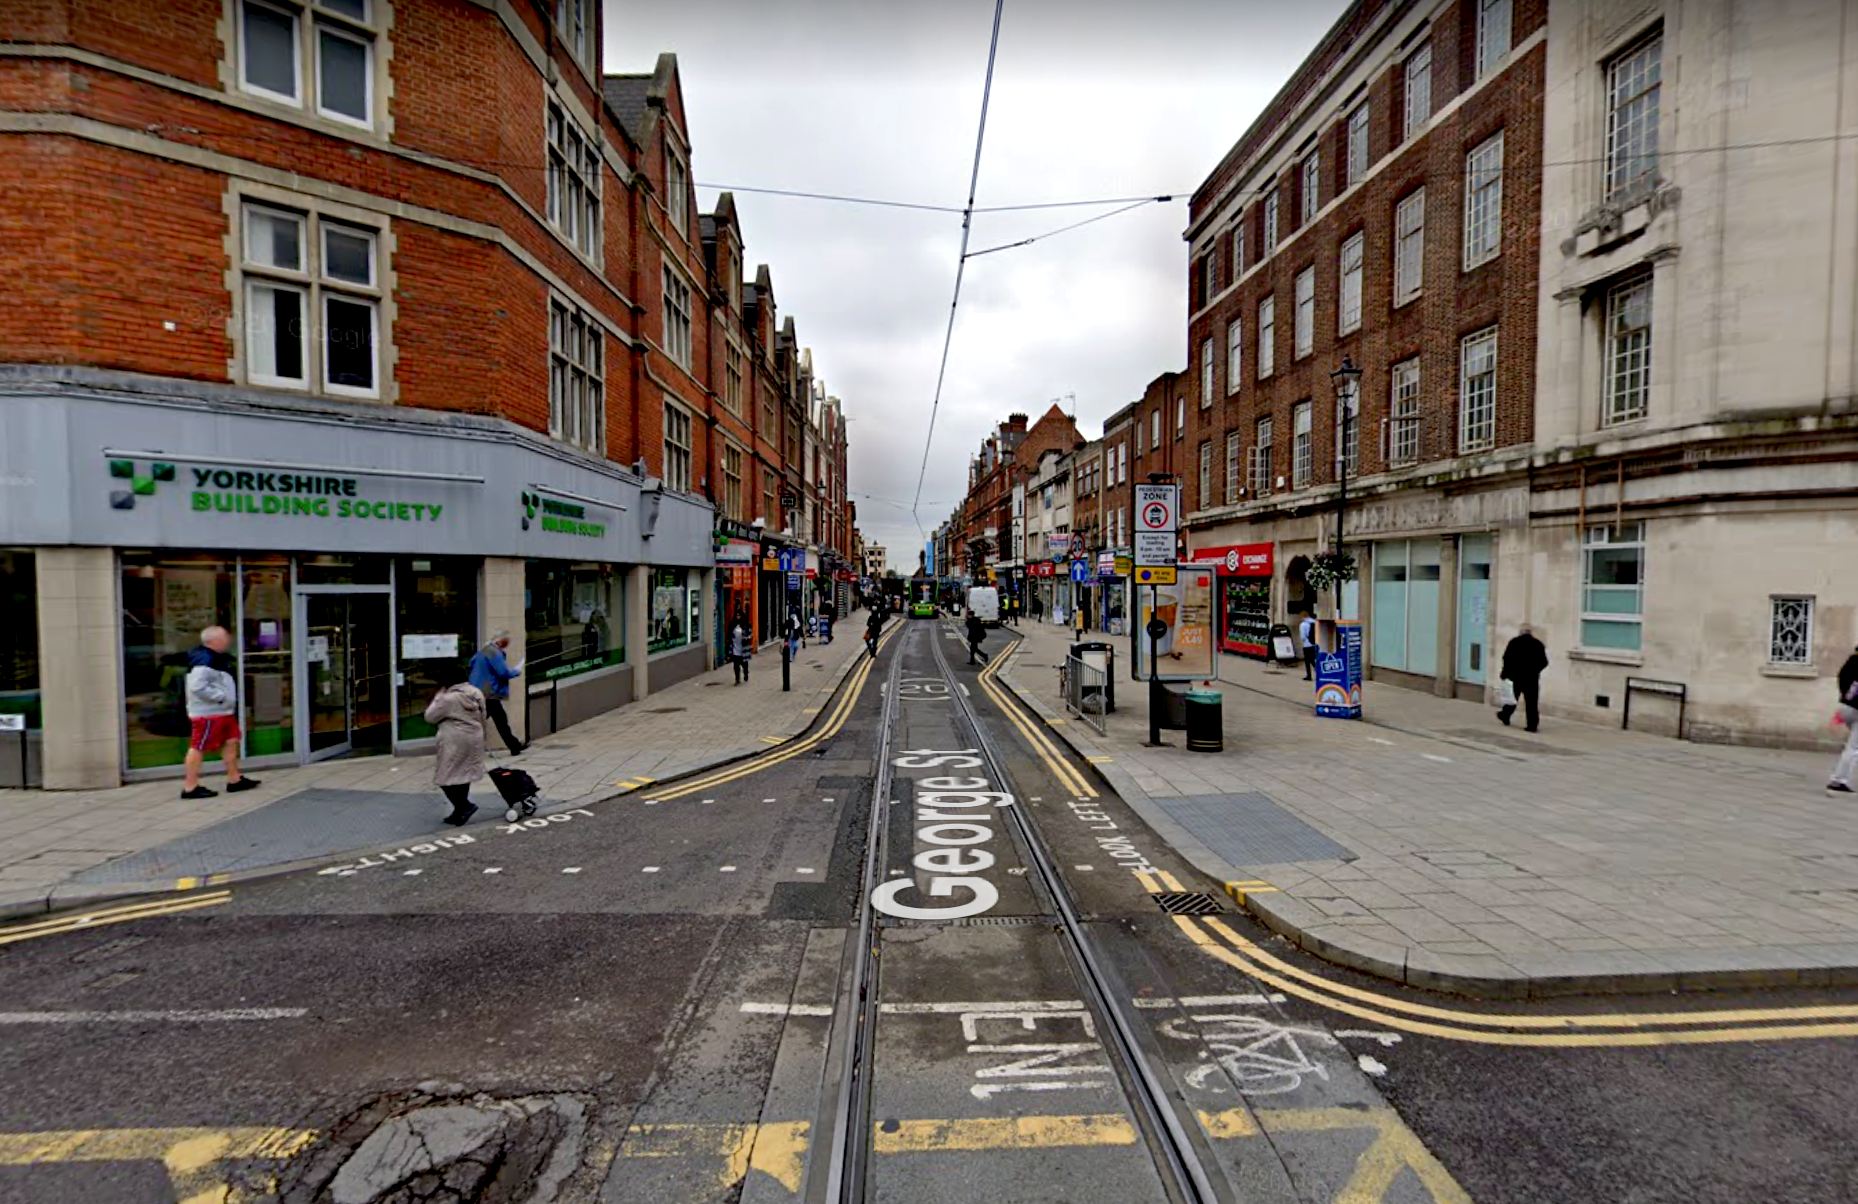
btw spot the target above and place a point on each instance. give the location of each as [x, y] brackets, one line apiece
[1384, 210]
[367, 328]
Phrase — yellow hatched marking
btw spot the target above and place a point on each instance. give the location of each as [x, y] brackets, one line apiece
[1004, 1133]
[1170, 881]
[1149, 885]
[192, 1156]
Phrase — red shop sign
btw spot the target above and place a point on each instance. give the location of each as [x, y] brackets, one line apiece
[1236, 560]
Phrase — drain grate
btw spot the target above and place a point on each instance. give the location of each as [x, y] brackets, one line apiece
[972, 922]
[1187, 903]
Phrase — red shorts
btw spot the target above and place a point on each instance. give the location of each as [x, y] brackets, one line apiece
[212, 734]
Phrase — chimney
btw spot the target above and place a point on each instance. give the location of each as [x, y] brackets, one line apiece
[1016, 422]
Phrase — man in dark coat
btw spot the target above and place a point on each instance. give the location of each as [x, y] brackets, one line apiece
[977, 631]
[1524, 659]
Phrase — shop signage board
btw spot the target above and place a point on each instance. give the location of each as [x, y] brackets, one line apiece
[1121, 566]
[12, 723]
[735, 551]
[1061, 545]
[428, 647]
[1237, 560]
[1338, 675]
[1186, 650]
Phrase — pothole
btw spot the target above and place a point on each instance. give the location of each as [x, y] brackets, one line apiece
[428, 1148]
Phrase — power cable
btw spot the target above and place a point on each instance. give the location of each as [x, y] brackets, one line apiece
[1026, 242]
[967, 225]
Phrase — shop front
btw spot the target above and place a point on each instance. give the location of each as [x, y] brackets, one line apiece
[357, 561]
[1243, 605]
[738, 552]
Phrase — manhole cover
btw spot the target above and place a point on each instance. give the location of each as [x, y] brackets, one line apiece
[1187, 903]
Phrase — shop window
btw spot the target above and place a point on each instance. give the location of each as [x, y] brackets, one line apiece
[675, 610]
[1405, 632]
[334, 568]
[435, 601]
[168, 598]
[265, 646]
[19, 636]
[575, 618]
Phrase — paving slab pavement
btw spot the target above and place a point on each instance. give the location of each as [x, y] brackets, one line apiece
[1429, 844]
[64, 846]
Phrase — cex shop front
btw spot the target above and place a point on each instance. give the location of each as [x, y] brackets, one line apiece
[1244, 594]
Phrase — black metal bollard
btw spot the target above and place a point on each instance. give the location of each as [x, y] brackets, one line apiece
[786, 659]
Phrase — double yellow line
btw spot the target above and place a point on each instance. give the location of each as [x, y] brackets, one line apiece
[786, 752]
[1710, 1027]
[80, 921]
[1068, 775]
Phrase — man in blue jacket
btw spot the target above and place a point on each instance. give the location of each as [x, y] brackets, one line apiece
[491, 673]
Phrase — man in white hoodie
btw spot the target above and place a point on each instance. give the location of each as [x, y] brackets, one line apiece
[213, 714]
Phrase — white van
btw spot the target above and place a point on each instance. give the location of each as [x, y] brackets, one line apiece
[984, 601]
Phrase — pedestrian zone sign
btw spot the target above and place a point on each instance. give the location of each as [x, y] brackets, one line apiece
[1156, 508]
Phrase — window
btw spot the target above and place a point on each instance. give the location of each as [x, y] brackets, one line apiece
[1311, 194]
[676, 190]
[312, 303]
[1270, 220]
[1350, 306]
[1483, 202]
[1493, 35]
[575, 618]
[1632, 85]
[573, 182]
[676, 448]
[1267, 336]
[571, 19]
[1403, 437]
[1477, 390]
[1180, 417]
[770, 509]
[1612, 587]
[1122, 461]
[576, 399]
[1138, 436]
[1205, 496]
[732, 378]
[1790, 630]
[1304, 325]
[1154, 429]
[1238, 249]
[676, 317]
[1235, 354]
[1206, 373]
[1407, 581]
[1417, 75]
[1300, 445]
[1261, 459]
[1357, 162]
[733, 495]
[329, 42]
[1628, 351]
[1348, 432]
[676, 612]
[1409, 247]
[19, 636]
[1232, 467]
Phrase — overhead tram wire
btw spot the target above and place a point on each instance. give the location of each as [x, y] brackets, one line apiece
[1026, 242]
[967, 227]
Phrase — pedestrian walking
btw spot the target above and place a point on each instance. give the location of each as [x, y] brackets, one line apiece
[796, 633]
[491, 673]
[977, 632]
[873, 628]
[1524, 659]
[828, 613]
[212, 715]
[1847, 715]
[1306, 639]
[459, 711]
[741, 645]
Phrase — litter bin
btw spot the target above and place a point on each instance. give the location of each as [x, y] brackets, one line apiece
[1205, 728]
[1099, 655]
[1174, 704]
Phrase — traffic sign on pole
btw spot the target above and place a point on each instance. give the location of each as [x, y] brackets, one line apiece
[1157, 507]
[1160, 574]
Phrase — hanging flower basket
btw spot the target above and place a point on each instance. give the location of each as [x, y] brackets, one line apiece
[1328, 569]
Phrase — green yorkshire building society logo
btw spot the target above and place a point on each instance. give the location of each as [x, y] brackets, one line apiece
[244, 491]
[565, 517]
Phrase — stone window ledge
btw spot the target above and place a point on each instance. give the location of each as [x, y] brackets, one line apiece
[1799, 672]
[1604, 656]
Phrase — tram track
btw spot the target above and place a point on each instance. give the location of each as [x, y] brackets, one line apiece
[956, 828]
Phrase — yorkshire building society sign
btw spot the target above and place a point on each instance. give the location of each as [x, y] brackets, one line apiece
[565, 517]
[248, 491]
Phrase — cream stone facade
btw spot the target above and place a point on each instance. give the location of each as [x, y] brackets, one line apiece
[1696, 366]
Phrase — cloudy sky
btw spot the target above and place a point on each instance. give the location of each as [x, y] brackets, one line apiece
[880, 98]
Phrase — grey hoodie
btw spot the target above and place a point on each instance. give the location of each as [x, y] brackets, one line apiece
[212, 691]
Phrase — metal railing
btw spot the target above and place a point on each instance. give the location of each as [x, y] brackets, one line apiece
[1086, 692]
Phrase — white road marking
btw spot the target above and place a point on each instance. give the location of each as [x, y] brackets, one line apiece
[1370, 1034]
[412, 873]
[651, 802]
[829, 800]
[1373, 1066]
[493, 869]
[1037, 799]
[709, 800]
[767, 800]
[570, 869]
[1014, 1007]
[650, 869]
[1086, 867]
[1436, 757]
[172, 1017]
[806, 869]
[965, 692]
[1378, 740]
[728, 869]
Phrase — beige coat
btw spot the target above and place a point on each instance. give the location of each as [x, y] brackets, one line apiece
[458, 712]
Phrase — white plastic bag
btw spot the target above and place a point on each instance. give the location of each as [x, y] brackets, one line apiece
[1506, 693]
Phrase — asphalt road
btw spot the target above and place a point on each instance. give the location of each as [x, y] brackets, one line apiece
[633, 1002]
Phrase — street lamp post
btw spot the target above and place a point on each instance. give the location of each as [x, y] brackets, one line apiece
[1347, 380]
